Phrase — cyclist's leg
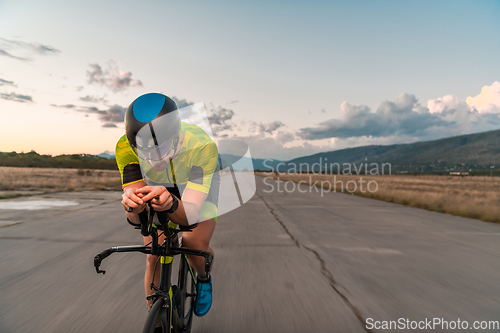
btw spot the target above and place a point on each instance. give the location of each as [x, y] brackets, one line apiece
[150, 265]
[199, 239]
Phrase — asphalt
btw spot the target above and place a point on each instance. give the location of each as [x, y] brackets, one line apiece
[285, 262]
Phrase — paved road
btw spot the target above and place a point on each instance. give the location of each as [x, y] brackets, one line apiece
[285, 262]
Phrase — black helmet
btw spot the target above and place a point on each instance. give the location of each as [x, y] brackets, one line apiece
[153, 124]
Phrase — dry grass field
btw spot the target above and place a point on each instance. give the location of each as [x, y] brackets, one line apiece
[55, 180]
[474, 197]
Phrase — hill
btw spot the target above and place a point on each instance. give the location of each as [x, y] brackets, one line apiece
[479, 151]
[110, 155]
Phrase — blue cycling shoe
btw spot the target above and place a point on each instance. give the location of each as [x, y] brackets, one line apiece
[203, 298]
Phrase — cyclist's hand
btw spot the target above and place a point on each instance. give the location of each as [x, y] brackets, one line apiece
[132, 200]
[161, 199]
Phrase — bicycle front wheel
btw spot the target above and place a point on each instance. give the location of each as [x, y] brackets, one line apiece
[158, 317]
[186, 295]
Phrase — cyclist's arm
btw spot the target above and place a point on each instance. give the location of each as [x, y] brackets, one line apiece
[189, 208]
[131, 199]
[131, 177]
[198, 185]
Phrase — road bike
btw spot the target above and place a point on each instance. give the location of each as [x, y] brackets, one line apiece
[172, 305]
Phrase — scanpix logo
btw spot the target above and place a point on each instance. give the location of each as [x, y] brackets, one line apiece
[196, 159]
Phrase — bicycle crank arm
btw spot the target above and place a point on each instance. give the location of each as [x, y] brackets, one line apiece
[208, 263]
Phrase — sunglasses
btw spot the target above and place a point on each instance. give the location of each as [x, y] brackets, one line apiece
[158, 153]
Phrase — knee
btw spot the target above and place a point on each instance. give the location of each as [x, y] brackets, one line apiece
[197, 243]
[151, 261]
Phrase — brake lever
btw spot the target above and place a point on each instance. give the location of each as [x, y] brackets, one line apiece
[100, 257]
[97, 263]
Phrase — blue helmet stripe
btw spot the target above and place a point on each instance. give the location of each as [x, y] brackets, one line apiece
[148, 106]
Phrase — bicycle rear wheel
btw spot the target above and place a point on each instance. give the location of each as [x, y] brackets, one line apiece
[157, 316]
[186, 294]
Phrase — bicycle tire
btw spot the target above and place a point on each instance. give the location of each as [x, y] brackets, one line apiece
[186, 297]
[158, 314]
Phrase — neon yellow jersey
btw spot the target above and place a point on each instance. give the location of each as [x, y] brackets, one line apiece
[193, 167]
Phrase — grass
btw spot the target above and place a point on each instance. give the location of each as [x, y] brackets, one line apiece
[473, 197]
[50, 180]
[13, 195]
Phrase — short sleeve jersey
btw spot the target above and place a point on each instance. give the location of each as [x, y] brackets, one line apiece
[193, 167]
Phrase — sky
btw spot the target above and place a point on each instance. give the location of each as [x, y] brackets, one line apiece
[290, 78]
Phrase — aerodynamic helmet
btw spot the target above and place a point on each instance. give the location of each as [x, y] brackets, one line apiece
[153, 126]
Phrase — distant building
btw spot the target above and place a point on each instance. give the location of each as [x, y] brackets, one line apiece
[456, 173]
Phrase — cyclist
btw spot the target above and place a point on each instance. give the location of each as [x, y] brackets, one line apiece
[174, 165]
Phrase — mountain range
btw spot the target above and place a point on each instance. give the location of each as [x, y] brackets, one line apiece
[478, 151]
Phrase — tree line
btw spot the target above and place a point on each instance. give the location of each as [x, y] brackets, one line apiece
[74, 161]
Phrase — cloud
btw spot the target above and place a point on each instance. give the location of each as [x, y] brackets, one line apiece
[402, 116]
[219, 120]
[283, 137]
[7, 54]
[181, 102]
[113, 78]
[264, 146]
[7, 83]
[16, 97]
[488, 101]
[438, 105]
[114, 114]
[400, 120]
[65, 106]
[269, 127]
[233, 102]
[463, 117]
[23, 50]
[93, 99]
[404, 119]
[266, 140]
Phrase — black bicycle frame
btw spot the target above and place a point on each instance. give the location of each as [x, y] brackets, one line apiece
[169, 248]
